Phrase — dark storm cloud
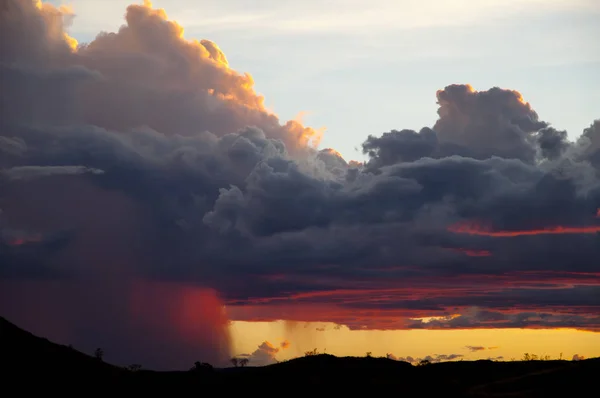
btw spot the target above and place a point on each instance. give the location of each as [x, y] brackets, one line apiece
[488, 319]
[552, 142]
[30, 172]
[400, 146]
[158, 163]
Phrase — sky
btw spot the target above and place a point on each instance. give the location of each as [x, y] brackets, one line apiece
[410, 179]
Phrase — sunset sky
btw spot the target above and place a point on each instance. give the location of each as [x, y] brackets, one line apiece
[416, 179]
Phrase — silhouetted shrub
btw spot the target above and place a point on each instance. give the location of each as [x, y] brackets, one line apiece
[533, 357]
[99, 354]
[311, 353]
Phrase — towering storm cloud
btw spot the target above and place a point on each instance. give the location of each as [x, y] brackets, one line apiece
[148, 197]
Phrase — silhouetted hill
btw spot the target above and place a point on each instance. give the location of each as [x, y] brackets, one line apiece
[23, 353]
[31, 362]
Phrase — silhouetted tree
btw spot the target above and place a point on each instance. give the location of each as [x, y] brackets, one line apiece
[99, 354]
[201, 366]
[424, 362]
[134, 367]
[368, 354]
[234, 362]
[530, 357]
[244, 362]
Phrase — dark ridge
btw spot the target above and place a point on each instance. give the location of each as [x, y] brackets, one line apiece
[23, 353]
[32, 363]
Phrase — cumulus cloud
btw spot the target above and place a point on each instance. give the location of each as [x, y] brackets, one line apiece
[589, 142]
[266, 353]
[167, 181]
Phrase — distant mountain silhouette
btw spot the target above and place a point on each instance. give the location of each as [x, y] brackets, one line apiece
[30, 363]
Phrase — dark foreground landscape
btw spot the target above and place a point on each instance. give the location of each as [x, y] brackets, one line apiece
[31, 363]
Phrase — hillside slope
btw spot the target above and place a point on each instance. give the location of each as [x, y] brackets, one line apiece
[22, 353]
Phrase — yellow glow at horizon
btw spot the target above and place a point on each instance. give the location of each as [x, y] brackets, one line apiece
[436, 318]
[340, 341]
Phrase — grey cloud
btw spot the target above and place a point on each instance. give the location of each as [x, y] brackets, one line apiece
[552, 142]
[30, 172]
[589, 142]
[333, 162]
[43, 41]
[496, 122]
[473, 348]
[12, 146]
[400, 146]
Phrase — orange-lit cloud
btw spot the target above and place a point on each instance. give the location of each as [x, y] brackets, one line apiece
[402, 319]
[332, 151]
[474, 228]
[224, 100]
[386, 290]
[55, 17]
[471, 252]
[387, 308]
[265, 354]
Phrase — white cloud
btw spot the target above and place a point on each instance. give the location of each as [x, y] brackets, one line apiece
[266, 353]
